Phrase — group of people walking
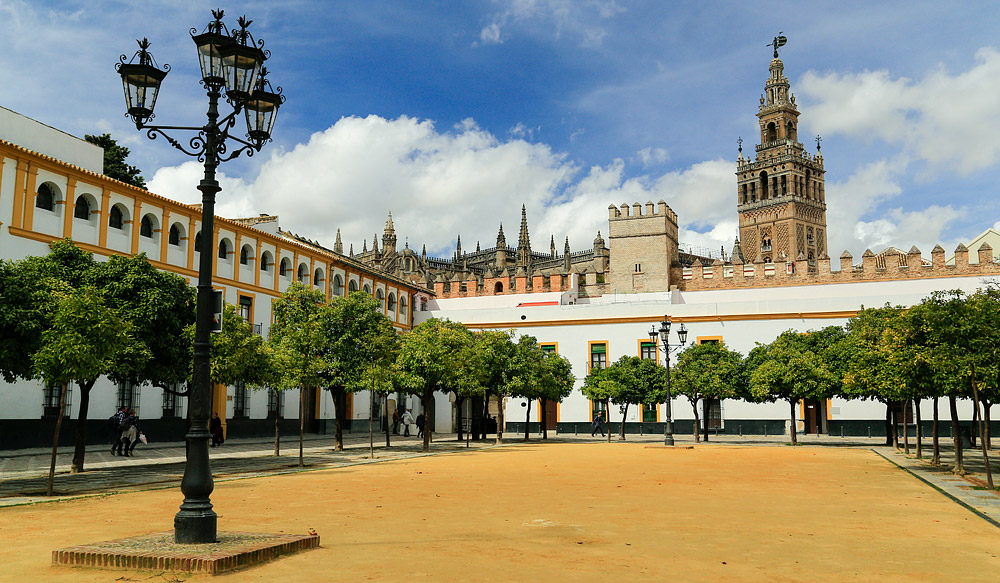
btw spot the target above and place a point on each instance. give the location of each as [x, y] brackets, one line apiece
[407, 419]
[125, 432]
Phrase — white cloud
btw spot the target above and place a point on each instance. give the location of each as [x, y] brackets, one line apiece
[946, 119]
[490, 35]
[904, 229]
[650, 156]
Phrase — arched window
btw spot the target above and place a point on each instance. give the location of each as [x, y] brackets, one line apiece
[391, 304]
[82, 208]
[380, 298]
[498, 288]
[318, 277]
[174, 238]
[352, 287]
[303, 274]
[772, 132]
[146, 227]
[223, 249]
[763, 185]
[197, 242]
[790, 131]
[265, 261]
[283, 268]
[337, 288]
[368, 289]
[245, 255]
[46, 199]
[402, 305]
[115, 218]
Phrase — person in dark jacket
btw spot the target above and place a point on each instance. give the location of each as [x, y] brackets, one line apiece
[420, 424]
[215, 428]
[130, 433]
[115, 426]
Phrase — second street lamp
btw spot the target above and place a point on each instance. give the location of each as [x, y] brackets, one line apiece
[664, 335]
[232, 62]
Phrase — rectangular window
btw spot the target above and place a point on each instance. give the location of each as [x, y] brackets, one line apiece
[245, 308]
[647, 350]
[649, 413]
[598, 407]
[548, 347]
[709, 339]
[598, 355]
[50, 400]
[241, 401]
[172, 402]
[128, 396]
[275, 404]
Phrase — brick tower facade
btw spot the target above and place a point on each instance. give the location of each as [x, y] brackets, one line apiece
[780, 194]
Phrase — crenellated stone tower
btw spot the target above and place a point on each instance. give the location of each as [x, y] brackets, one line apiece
[780, 193]
[643, 245]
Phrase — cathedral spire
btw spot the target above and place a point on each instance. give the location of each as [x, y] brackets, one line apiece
[501, 240]
[523, 241]
[552, 245]
[338, 245]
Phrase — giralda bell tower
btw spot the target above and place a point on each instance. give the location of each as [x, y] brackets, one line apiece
[781, 197]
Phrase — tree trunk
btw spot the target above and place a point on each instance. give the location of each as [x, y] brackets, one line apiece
[527, 416]
[697, 429]
[302, 421]
[388, 420]
[704, 411]
[80, 448]
[986, 418]
[791, 428]
[427, 401]
[621, 426]
[607, 409]
[920, 431]
[499, 419]
[339, 411]
[956, 431]
[371, 427]
[986, 457]
[888, 423]
[55, 439]
[935, 436]
[975, 422]
[485, 417]
[458, 407]
[277, 435]
[906, 433]
[545, 418]
[895, 425]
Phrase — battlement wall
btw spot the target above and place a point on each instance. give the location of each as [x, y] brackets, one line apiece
[719, 275]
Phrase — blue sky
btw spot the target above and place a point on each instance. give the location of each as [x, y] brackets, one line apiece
[453, 114]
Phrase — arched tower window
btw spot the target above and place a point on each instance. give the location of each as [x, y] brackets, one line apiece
[763, 185]
[115, 218]
[772, 132]
[790, 131]
[146, 227]
[46, 199]
[82, 208]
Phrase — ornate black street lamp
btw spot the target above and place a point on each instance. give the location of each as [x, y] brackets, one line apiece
[232, 61]
[664, 335]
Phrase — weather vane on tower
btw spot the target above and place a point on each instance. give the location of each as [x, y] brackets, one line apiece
[779, 41]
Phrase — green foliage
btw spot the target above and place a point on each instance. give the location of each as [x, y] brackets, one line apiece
[158, 307]
[792, 371]
[82, 341]
[440, 355]
[296, 337]
[238, 355]
[115, 165]
[359, 344]
[709, 370]
[556, 377]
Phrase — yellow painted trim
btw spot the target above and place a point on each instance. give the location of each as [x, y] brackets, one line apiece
[192, 235]
[544, 344]
[829, 416]
[675, 319]
[702, 339]
[29, 203]
[214, 249]
[220, 394]
[67, 215]
[590, 353]
[102, 228]
[236, 257]
[19, 178]
[256, 263]
[164, 235]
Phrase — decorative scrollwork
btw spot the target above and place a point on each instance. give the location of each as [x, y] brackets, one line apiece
[151, 133]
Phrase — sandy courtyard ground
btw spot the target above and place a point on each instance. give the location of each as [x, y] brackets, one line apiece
[560, 512]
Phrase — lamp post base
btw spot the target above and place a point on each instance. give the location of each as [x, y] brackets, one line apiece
[668, 433]
[196, 527]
